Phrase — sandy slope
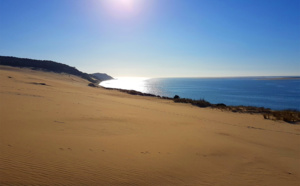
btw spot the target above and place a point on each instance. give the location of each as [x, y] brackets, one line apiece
[68, 133]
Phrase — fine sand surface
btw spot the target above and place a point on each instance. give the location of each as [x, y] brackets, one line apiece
[68, 133]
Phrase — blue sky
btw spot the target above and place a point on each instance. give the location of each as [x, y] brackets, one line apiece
[157, 38]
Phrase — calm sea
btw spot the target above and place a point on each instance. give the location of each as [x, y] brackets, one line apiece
[277, 94]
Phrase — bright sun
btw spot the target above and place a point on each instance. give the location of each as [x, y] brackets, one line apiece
[126, 3]
[122, 8]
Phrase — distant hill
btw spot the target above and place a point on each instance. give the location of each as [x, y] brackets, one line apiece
[46, 66]
[101, 76]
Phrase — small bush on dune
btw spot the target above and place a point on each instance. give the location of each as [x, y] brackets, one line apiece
[176, 97]
[220, 105]
[199, 103]
[288, 116]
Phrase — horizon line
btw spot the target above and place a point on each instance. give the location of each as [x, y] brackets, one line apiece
[255, 76]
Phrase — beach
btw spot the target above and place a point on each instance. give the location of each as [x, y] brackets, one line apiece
[55, 129]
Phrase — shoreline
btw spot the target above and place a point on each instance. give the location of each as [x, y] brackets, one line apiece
[256, 94]
[289, 116]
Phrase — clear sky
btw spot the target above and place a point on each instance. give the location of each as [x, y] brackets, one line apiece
[157, 38]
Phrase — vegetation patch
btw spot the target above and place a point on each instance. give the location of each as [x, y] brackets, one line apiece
[199, 103]
[289, 116]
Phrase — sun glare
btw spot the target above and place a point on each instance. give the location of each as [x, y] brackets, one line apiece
[122, 8]
[129, 83]
[126, 3]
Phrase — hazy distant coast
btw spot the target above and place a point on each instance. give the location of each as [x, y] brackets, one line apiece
[52, 66]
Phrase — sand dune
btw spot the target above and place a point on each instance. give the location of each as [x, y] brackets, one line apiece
[57, 130]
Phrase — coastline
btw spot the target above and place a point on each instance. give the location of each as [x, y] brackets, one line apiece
[55, 129]
[289, 116]
[277, 95]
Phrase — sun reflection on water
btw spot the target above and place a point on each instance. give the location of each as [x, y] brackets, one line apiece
[128, 83]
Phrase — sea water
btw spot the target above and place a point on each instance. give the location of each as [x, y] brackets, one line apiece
[274, 93]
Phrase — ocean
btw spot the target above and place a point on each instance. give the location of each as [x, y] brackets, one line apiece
[269, 92]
